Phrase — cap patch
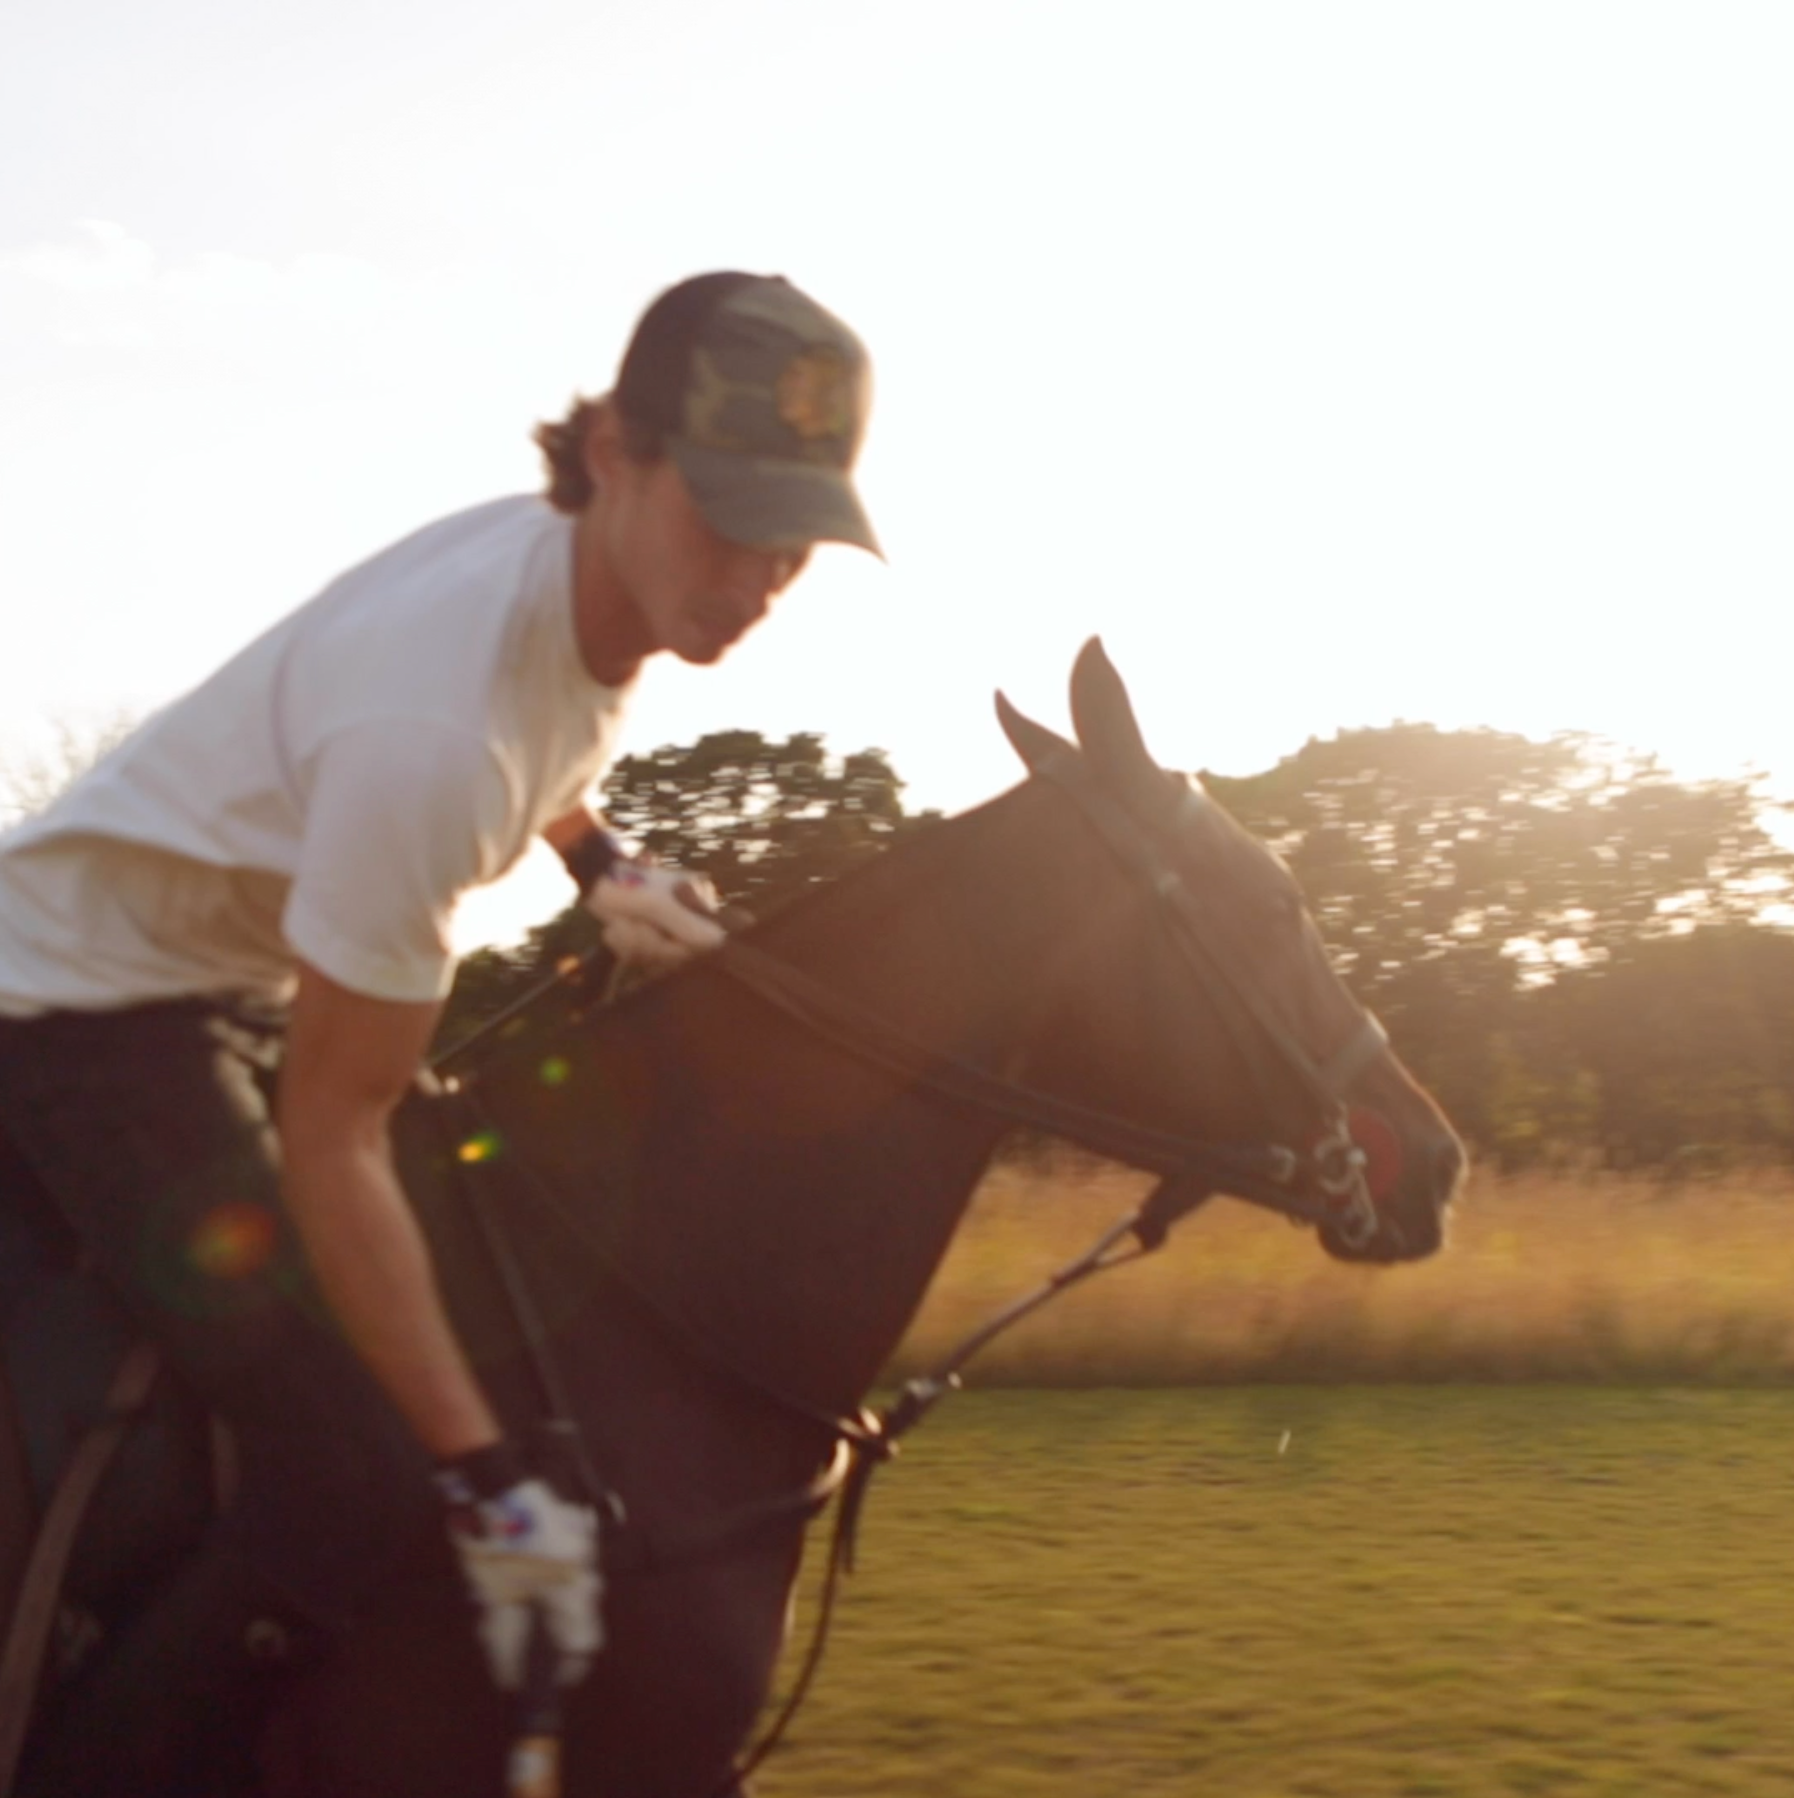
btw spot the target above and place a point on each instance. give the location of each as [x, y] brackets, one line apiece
[815, 394]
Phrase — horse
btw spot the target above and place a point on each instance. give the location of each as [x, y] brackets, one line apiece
[687, 1229]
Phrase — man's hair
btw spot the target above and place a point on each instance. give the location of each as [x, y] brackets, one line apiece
[649, 397]
[562, 442]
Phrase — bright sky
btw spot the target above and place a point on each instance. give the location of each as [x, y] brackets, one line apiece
[1337, 363]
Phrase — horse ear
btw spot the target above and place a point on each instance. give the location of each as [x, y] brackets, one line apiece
[1104, 717]
[1034, 743]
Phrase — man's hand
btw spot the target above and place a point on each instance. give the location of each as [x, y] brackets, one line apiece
[527, 1553]
[654, 917]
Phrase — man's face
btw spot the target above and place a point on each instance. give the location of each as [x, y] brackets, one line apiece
[696, 592]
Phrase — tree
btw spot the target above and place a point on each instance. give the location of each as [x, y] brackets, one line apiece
[1572, 950]
[1415, 843]
[764, 820]
[1687, 1043]
[1469, 882]
[32, 778]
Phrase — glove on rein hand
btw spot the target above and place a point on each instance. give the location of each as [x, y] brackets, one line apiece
[652, 916]
[526, 1553]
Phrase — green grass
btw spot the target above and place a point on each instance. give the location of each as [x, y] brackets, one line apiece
[1431, 1591]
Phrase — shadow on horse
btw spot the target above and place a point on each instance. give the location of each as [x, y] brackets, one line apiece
[695, 1223]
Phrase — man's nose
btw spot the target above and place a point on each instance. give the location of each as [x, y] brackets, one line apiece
[755, 577]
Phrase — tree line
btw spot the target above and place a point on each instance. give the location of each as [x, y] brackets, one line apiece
[1583, 956]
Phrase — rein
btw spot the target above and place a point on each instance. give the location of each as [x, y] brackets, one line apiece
[1261, 1174]
[863, 1444]
[1190, 1173]
[1324, 1185]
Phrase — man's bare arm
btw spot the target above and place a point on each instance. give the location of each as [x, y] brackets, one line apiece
[349, 1061]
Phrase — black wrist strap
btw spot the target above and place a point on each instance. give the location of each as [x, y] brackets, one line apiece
[591, 858]
[480, 1473]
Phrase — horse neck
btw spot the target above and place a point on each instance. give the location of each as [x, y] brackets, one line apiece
[948, 936]
[789, 1202]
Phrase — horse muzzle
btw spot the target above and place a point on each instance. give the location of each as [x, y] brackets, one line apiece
[1392, 1187]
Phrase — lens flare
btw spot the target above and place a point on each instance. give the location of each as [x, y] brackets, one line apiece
[556, 1070]
[486, 1146]
[233, 1241]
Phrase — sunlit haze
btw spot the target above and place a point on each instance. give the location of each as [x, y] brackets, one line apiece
[1337, 364]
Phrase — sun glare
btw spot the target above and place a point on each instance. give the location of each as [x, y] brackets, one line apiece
[1280, 357]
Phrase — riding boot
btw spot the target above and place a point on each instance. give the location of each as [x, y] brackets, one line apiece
[181, 1691]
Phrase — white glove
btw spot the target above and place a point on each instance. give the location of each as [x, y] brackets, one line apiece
[654, 916]
[530, 1553]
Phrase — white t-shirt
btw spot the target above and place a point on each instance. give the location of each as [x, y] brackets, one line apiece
[329, 793]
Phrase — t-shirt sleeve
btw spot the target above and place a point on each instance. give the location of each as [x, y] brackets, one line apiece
[402, 818]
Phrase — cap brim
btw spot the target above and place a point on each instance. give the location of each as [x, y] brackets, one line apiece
[773, 503]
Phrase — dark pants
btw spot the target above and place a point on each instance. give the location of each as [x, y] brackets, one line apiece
[148, 1132]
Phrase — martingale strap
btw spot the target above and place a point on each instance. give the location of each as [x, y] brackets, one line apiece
[1173, 1199]
[863, 1443]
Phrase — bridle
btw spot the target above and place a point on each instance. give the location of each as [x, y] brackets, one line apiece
[1324, 1184]
[1333, 1166]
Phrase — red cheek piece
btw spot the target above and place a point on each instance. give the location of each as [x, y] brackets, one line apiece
[1373, 1133]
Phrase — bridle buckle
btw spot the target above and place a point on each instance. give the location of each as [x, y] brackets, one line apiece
[1339, 1172]
[1339, 1163]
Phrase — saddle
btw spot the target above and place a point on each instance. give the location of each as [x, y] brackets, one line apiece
[109, 1473]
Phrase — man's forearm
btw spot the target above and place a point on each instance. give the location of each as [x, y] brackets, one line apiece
[374, 1266]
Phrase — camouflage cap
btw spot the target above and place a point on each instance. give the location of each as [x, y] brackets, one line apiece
[761, 397]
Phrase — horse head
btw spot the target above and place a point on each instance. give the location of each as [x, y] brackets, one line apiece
[1202, 999]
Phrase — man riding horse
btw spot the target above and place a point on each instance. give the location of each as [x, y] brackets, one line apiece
[223, 952]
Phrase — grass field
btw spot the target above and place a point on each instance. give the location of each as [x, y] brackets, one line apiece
[1527, 1527]
[1582, 1279]
[1430, 1592]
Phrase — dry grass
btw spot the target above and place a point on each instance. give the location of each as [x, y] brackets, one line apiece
[1545, 1277]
